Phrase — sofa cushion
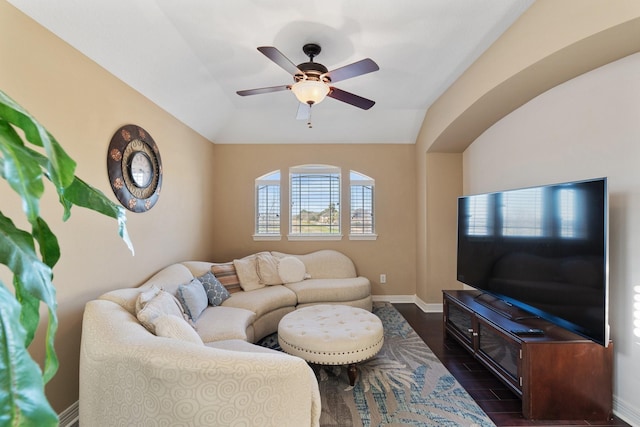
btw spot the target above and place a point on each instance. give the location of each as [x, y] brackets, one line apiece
[264, 300]
[267, 267]
[224, 323]
[331, 290]
[325, 264]
[169, 278]
[216, 293]
[226, 274]
[193, 298]
[291, 269]
[149, 308]
[171, 326]
[248, 273]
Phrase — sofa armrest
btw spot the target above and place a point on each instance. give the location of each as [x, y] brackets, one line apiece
[128, 376]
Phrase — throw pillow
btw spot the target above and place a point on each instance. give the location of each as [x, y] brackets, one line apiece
[226, 274]
[291, 269]
[145, 296]
[161, 304]
[193, 298]
[267, 267]
[216, 293]
[247, 273]
[172, 326]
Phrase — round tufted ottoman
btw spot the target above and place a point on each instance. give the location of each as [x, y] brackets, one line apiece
[331, 335]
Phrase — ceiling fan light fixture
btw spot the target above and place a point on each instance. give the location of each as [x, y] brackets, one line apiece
[310, 91]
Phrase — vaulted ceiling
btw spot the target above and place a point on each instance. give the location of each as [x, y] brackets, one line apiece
[191, 56]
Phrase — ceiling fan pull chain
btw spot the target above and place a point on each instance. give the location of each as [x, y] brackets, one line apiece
[310, 110]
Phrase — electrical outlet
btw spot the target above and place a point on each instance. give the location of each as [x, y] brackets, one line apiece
[383, 278]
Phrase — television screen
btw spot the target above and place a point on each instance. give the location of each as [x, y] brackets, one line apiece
[543, 249]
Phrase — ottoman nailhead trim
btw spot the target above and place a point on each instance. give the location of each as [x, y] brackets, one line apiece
[333, 353]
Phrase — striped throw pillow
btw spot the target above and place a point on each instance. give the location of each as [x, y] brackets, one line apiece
[226, 274]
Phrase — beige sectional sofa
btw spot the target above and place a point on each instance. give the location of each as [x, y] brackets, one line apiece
[143, 362]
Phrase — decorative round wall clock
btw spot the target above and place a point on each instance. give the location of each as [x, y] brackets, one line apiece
[135, 168]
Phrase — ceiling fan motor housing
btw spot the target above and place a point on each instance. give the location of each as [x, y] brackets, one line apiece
[312, 71]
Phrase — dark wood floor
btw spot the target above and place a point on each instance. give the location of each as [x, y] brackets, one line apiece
[500, 404]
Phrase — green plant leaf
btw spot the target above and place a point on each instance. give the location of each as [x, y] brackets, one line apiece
[32, 282]
[30, 313]
[21, 170]
[47, 242]
[61, 167]
[82, 194]
[17, 252]
[23, 401]
[51, 359]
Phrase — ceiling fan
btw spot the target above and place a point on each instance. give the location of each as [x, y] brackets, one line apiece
[312, 80]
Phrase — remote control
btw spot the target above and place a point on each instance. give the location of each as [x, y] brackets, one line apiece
[525, 332]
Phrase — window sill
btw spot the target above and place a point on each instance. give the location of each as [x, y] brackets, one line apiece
[265, 237]
[363, 237]
[307, 237]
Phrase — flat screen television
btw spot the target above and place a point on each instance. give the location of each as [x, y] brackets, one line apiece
[542, 249]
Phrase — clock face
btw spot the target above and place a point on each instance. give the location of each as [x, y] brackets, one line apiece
[135, 168]
[141, 169]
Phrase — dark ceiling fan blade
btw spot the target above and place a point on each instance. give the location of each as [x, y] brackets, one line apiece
[262, 90]
[352, 70]
[350, 98]
[278, 57]
[304, 111]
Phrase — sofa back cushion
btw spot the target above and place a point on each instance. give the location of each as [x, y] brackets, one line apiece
[169, 278]
[325, 264]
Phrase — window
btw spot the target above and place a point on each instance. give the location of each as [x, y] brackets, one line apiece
[572, 224]
[362, 222]
[315, 196]
[478, 212]
[315, 201]
[522, 213]
[268, 205]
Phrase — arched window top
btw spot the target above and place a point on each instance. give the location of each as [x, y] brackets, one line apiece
[357, 178]
[273, 176]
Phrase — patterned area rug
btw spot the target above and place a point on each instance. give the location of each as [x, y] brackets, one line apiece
[403, 385]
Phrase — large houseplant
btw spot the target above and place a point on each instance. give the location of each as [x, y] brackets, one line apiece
[28, 155]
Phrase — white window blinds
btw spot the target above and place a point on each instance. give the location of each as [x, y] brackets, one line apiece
[315, 200]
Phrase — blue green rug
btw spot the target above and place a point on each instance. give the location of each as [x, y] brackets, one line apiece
[403, 385]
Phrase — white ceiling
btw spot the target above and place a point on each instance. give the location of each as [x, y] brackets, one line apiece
[191, 56]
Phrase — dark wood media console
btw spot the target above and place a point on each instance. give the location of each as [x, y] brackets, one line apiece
[558, 375]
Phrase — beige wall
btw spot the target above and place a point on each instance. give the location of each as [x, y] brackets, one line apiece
[393, 168]
[82, 106]
[444, 179]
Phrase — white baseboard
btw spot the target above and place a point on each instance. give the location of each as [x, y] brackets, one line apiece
[404, 299]
[70, 416]
[626, 412]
